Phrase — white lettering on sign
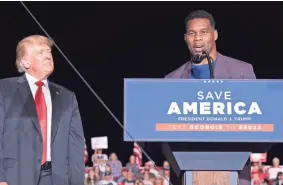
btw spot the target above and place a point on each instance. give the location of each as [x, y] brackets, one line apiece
[216, 108]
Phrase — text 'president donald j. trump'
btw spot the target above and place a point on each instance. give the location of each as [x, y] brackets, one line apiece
[41, 134]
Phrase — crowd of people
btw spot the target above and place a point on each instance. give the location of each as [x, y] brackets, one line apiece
[110, 171]
[267, 174]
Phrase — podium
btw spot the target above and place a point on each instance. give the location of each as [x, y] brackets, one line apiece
[205, 125]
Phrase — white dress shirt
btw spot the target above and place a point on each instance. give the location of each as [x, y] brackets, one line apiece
[45, 88]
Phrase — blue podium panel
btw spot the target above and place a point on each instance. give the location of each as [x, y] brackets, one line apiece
[211, 161]
[180, 110]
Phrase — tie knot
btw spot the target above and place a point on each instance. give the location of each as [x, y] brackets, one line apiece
[39, 84]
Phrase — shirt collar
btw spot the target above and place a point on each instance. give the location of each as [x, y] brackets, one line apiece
[31, 80]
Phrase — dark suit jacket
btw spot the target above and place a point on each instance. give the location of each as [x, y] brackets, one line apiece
[225, 68]
[21, 140]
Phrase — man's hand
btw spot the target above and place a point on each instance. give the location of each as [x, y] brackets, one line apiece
[3, 183]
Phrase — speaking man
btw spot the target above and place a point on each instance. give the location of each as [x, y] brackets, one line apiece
[201, 36]
[41, 134]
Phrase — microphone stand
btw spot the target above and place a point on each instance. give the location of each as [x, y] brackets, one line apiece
[211, 69]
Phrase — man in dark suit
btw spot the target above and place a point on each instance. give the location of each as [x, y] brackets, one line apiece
[41, 134]
[201, 35]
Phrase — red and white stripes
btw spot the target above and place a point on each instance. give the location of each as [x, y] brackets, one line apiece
[138, 154]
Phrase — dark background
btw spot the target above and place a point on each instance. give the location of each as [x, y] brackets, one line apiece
[109, 41]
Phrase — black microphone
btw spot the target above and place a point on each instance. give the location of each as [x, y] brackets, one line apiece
[197, 59]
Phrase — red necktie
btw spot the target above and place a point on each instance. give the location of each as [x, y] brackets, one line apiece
[42, 117]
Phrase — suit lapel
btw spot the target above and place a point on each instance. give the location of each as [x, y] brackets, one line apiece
[221, 70]
[29, 104]
[187, 70]
[56, 109]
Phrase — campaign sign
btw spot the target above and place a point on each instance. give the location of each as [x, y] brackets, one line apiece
[203, 110]
[258, 157]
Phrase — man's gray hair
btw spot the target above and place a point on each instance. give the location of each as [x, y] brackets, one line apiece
[32, 40]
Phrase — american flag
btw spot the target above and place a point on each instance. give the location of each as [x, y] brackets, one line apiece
[86, 154]
[138, 154]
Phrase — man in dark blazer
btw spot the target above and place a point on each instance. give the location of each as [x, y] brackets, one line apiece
[201, 35]
[41, 133]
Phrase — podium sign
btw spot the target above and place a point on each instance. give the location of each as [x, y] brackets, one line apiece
[180, 110]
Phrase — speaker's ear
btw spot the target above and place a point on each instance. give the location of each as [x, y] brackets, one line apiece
[25, 63]
[215, 35]
[185, 38]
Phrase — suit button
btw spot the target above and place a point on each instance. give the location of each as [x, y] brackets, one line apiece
[38, 160]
